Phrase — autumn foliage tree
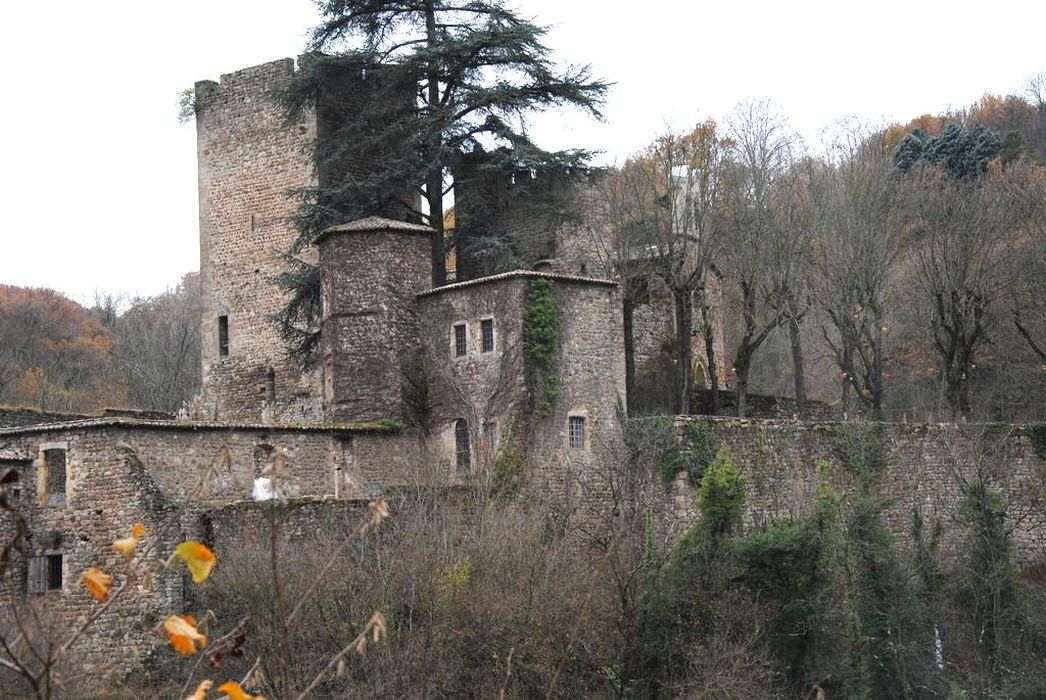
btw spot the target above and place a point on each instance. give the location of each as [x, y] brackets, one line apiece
[53, 353]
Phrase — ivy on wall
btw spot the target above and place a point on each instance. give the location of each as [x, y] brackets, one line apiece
[540, 342]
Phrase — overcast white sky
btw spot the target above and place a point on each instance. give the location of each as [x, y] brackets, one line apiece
[98, 180]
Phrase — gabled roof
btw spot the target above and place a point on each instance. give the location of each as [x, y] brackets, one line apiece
[374, 223]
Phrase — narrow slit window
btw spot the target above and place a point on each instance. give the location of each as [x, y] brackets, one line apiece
[487, 328]
[55, 464]
[460, 347]
[461, 445]
[223, 336]
[577, 432]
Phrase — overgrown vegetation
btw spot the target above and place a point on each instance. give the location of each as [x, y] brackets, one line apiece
[541, 344]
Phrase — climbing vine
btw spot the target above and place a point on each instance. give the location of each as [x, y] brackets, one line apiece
[540, 342]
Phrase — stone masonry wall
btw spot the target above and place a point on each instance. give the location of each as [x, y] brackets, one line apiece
[486, 389]
[248, 159]
[108, 490]
[590, 364]
[923, 468]
[369, 342]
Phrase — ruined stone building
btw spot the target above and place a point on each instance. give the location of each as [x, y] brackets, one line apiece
[414, 384]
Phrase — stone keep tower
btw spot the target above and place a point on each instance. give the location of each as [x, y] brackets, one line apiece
[249, 159]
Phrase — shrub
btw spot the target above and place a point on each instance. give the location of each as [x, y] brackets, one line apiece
[722, 496]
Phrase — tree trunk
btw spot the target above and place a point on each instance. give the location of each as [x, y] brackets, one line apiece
[797, 360]
[630, 355]
[708, 330]
[684, 350]
[434, 182]
[743, 367]
[877, 370]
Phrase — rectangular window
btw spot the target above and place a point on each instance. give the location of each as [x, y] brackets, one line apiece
[54, 572]
[54, 463]
[460, 347]
[45, 574]
[577, 432]
[223, 336]
[487, 328]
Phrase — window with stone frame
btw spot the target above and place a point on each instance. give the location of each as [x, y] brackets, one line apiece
[486, 327]
[576, 425]
[460, 340]
[462, 446]
[12, 481]
[44, 574]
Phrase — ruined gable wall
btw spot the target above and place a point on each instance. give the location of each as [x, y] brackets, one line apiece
[107, 492]
[248, 159]
[923, 468]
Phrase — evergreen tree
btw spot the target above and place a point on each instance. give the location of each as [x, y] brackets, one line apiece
[471, 72]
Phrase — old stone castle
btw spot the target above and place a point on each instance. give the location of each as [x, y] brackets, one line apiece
[414, 384]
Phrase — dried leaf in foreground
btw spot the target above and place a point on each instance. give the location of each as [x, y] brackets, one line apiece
[198, 558]
[182, 633]
[97, 582]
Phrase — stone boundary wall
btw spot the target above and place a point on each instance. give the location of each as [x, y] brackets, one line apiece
[924, 467]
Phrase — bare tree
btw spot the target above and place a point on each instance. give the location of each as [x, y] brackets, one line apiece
[761, 151]
[667, 220]
[1028, 300]
[857, 252]
[158, 347]
[965, 252]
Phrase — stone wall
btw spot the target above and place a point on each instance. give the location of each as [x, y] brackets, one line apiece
[370, 272]
[12, 417]
[107, 492]
[485, 389]
[590, 364]
[490, 391]
[923, 467]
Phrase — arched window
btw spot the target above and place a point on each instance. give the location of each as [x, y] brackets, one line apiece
[461, 445]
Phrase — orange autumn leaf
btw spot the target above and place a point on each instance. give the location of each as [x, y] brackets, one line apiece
[96, 582]
[127, 545]
[233, 690]
[201, 691]
[182, 633]
[198, 558]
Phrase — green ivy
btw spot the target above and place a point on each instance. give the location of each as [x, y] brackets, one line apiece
[722, 496]
[506, 473]
[703, 448]
[862, 449]
[540, 343]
